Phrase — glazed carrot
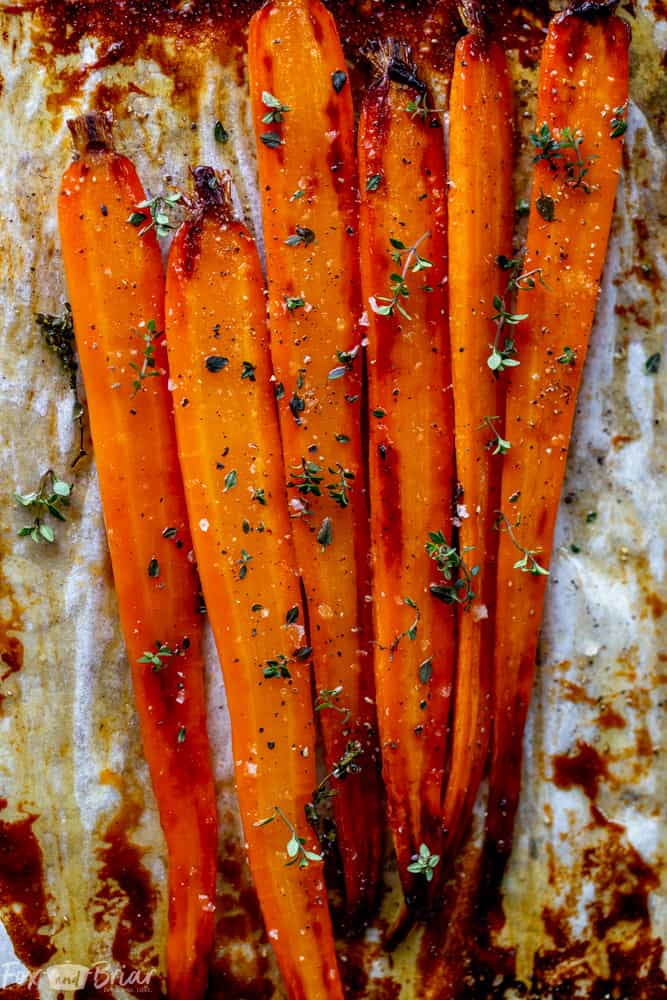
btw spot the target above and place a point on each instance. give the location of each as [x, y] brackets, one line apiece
[481, 212]
[302, 113]
[403, 233]
[230, 453]
[582, 99]
[116, 289]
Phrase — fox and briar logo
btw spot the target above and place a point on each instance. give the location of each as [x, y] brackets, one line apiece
[69, 977]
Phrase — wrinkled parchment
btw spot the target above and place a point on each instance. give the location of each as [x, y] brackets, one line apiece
[70, 752]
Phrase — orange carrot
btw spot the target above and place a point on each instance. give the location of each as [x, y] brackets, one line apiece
[403, 235]
[582, 99]
[116, 289]
[480, 228]
[230, 454]
[302, 112]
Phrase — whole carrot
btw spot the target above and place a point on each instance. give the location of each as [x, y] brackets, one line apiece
[582, 102]
[302, 113]
[116, 289]
[403, 236]
[480, 228]
[230, 453]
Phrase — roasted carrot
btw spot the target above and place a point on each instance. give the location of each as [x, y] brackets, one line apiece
[116, 289]
[403, 236]
[582, 102]
[480, 228]
[230, 453]
[302, 113]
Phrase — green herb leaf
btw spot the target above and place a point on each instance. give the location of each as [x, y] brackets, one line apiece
[215, 363]
[220, 133]
[271, 139]
[373, 182]
[338, 80]
[294, 302]
[154, 569]
[652, 364]
[325, 533]
[425, 671]
[292, 615]
[301, 236]
[231, 480]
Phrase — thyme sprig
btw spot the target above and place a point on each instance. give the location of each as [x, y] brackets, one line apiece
[458, 576]
[296, 850]
[619, 123]
[155, 213]
[413, 262]
[424, 862]
[50, 496]
[326, 699]
[58, 334]
[420, 108]
[147, 368]
[162, 653]
[551, 150]
[410, 632]
[528, 562]
[340, 769]
[499, 444]
[517, 280]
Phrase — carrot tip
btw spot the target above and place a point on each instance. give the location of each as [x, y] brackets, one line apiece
[213, 190]
[92, 130]
[392, 59]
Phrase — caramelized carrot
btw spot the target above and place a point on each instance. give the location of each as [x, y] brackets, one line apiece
[582, 98]
[403, 233]
[116, 289]
[480, 228]
[302, 113]
[230, 454]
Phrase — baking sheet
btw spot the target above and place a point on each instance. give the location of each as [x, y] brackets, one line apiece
[82, 860]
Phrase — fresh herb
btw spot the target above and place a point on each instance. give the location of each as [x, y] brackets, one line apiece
[325, 533]
[528, 562]
[591, 516]
[425, 671]
[248, 371]
[420, 108]
[338, 80]
[652, 364]
[243, 564]
[154, 569]
[499, 444]
[568, 357]
[306, 478]
[296, 850]
[215, 363]
[546, 206]
[342, 439]
[340, 769]
[277, 667]
[424, 863]
[157, 659]
[220, 133]
[619, 123]
[58, 334]
[339, 491]
[379, 413]
[147, 368]
[551, 150]
[518, 280]
[458, 576]
[373, 182]
[297, 405]
[303, 652]
[302, 236]
[292, 615]
[327, 699]
[231, 479]
[158, 214]
[383, 305]
[271, 139]
[294, 302]
[410, 632]
[170, 532]
[276, 109]
[278, 391]
[346, 359]
[51, 495]
[523, 207]
[259, 496]
[181, 734]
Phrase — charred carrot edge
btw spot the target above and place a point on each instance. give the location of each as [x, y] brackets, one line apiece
[230, 453]
[403, 232]
[582, 101]
[481, 216]
[302, 113]
[116, 289]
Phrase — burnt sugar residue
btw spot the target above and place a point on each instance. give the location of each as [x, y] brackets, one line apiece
[11, 657]
[584, 768]
[23, 897]
[126, 890]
